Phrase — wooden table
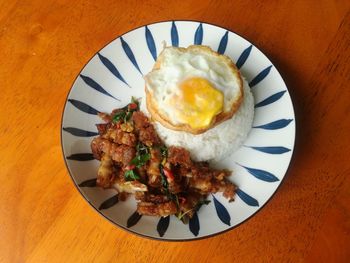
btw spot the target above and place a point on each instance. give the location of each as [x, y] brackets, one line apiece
[44, 44]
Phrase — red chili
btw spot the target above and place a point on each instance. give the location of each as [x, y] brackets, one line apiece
[132, 106]
[130, 167]
[182, 199]
[168, 174]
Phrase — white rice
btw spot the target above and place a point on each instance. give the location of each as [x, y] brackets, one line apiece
[217, 143]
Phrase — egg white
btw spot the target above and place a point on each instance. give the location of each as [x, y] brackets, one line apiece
[177, 65]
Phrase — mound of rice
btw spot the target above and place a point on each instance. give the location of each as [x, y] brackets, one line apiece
[217, 143]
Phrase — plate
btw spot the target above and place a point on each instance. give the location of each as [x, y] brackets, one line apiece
[116, 73]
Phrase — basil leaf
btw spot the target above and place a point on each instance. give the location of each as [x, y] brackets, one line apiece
[164, 151]
[118, 116]
[141, 149]
[200, 203]
[127, 116]
[181, 215]
[165, 184]
[131, 175]
[141, 160]
[164, 181]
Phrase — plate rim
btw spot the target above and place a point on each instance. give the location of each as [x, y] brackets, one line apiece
[161, 238]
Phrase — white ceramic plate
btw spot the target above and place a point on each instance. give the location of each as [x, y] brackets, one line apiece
[115, 74]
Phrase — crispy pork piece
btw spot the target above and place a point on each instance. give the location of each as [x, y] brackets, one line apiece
[153, 209]
[180, 156]
[106, 172]
[130, 187]
[102, 128]
[119, 153]
[145, 130]
[189, 203]
[105, 116]
[119, 136]
[227, 188]
[164, 181]
[153, 172]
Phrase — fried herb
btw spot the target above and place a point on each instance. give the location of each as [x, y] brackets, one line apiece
[181, 215]
[164, 151]
[127, 116]
[141, 160]
[142, 155]
[200, 203]
[119, 116]
[164, 181]
[141, 149]
[131, 175]
[125, 113]
[165, 184]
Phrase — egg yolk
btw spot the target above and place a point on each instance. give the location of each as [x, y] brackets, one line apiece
[199, 102]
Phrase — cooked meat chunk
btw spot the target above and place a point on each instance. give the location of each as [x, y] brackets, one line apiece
[178, 155]
[152, 209]
[130, 186]
[225, 186]
[202, 185]
[153, 172]
[164, 181]
[199, 171]
[154, 198]
[189, 203]
[154, 180]
[102, 128]
[149, 136]
[142, 172]
[106, 172]
[123, 154]
[145, 129]
[119, 153]
[105, 117]
[175, 187]
[140, 120]
[95, 148]
[120, 137]
[139, 196]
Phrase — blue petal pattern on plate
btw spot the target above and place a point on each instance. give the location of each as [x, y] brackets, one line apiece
[129, 54]
[88, 183]
[258, 78]
[174, 35]
[198, 36]
[243, 57]
[133, 219]
[105, 61]
[261, 174]
[83, 107]
[279, 124]
[93, 84]
[222, 212]
[109, 202]
[81, 157]
[271, 149]
[79, 132]
[247, 198]
[162, 225]
[271, 99]
[223, 43]
[194, 224]
[150, 43]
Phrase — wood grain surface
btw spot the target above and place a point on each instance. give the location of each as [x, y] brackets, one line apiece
[43, 46]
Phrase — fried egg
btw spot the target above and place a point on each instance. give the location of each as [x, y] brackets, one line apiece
[193, 89]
